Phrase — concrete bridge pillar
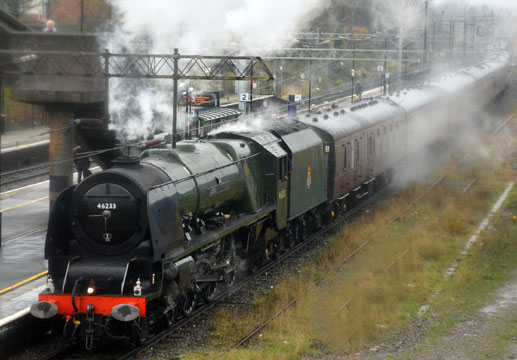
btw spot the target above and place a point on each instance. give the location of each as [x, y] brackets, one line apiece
[61, 150]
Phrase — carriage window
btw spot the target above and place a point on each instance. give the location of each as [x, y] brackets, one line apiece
[370, 146]
[344, 158]
[352, 157]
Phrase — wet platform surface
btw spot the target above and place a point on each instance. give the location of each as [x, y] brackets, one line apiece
[24, 226]
[19, 138]
[21, 298]
[24, 222]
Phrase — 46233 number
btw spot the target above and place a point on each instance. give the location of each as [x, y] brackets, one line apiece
[107, 206]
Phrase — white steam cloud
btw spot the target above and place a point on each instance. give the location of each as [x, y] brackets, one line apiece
[197, 27]
[392, 14]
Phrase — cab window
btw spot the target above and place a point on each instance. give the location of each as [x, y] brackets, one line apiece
[269, 166]
[284, 169]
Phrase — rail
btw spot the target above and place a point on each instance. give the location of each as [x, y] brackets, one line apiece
[364, 244]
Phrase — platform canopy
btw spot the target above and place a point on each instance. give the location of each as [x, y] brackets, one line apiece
[218, 114]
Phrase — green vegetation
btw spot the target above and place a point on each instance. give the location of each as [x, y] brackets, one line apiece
[346, 307]
[491, 262]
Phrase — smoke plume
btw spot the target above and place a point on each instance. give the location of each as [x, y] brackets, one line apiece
[194, 27]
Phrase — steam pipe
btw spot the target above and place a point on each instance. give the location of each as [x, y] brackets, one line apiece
[74, 291]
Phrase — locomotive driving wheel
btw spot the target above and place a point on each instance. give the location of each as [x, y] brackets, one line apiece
[295, 233]
[170, 317]
[230, 278]
[188, 303]
[210, 291]
[203, 268]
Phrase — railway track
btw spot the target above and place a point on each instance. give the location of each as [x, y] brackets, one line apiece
[361, 247]
[24, 174]
[182, 322]
[65, 353]
[245, 281]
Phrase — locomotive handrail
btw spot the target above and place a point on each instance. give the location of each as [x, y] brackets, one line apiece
[125, 275]
[66, 272]
[205, 172]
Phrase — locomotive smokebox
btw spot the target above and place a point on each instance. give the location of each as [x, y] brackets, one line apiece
[109, 212]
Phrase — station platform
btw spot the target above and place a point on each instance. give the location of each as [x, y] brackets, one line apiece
[23, 149]
[25, 213]
[17, 139]
[24, 223]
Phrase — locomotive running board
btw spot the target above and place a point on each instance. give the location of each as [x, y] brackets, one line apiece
[210, 278]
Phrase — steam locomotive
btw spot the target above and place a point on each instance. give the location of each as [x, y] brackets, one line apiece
[134, 246]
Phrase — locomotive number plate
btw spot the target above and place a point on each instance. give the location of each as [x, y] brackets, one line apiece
[108, 206]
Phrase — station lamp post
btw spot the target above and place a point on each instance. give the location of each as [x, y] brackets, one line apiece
[352, 74]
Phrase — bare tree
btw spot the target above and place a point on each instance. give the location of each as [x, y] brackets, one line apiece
[17, 7]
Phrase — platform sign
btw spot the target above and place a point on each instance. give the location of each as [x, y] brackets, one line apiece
[201, 100]
[254, 85]
[387, 75]
[380, 68]
[298, 98]
[244, 97]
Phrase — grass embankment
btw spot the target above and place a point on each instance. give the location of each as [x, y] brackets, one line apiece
[491, 262]
[345, 307]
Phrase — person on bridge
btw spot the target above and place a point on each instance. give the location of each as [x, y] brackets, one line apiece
[51, 27]
[359, 90]
[82, 163]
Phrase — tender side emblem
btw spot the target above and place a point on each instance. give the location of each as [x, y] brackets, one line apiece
[282, 194]
[309, 177]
